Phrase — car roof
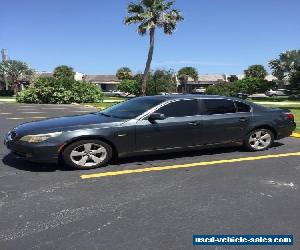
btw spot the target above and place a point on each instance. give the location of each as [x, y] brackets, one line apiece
[191, 96]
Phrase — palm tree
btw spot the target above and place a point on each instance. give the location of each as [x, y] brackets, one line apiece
[149, 15]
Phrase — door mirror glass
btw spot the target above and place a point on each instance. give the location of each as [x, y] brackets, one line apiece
[156, 116]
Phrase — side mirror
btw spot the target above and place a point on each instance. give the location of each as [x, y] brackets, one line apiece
[156, 116]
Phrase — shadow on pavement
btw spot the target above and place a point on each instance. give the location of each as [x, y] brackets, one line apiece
[21, 164]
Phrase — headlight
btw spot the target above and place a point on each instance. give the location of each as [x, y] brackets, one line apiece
[40, 137]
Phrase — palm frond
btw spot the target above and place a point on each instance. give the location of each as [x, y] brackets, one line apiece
[145, 26]
[133, 19]
[135, 8]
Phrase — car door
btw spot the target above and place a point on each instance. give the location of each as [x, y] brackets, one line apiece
[178, 129]
[223, 120]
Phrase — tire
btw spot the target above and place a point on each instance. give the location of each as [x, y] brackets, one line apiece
[87, 154]
[259, 139]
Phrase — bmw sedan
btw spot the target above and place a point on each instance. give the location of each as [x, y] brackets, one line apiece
[152, 124]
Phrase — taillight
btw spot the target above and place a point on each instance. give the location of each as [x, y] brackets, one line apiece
[290, 116]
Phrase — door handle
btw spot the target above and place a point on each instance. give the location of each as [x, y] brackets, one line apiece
[196, 123]
[243, 119]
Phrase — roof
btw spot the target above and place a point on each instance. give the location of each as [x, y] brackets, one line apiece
[102, 79]
[211, 77]
[44, 74]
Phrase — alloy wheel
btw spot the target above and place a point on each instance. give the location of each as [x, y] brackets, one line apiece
[88, 154]
[260, 139]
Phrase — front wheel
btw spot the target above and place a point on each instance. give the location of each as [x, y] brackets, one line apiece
[259, 139]
[87, 154]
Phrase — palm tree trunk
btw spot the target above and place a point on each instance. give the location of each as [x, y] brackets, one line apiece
[149, 60]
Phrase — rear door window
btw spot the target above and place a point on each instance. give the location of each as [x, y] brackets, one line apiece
[180, 108]
[218, 106]
[242, 107]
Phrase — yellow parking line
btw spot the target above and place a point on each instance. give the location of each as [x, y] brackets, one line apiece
[14, 118]
[188, 165]
[297, 135]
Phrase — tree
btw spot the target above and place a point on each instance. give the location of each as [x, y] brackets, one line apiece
[257, 71]
[64, 71]
[161, 81]
[232, 78]
[149, 15]
[295, 79]
[186, 72]
[124, 73]
[13, 71]
[284, 66]
[130, 86]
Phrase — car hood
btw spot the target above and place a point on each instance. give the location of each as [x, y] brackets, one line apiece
[66, 123]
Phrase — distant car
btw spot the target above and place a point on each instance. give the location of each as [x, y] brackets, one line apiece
[278, 92]
[242, 95]
[167, 93]
[118, 93]
[199, 90]
[150, 124]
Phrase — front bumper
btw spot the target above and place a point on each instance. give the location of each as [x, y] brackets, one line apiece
[36, 152]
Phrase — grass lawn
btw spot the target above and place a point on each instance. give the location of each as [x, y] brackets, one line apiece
[8, 99]
[101, 105]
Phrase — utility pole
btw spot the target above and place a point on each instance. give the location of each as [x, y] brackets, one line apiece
[5, 58]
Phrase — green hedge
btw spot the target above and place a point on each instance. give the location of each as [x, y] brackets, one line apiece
[60, 91]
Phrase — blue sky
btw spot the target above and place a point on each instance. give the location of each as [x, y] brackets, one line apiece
[217, 36]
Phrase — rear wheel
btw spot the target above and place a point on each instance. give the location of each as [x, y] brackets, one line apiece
[87, 154]
[259, 139]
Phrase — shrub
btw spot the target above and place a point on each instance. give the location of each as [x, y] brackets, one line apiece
[130, 86]
[161, 81]
[60, 91]
[248, 85]
[225, 89]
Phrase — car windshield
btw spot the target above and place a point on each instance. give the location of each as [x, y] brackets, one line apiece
[132, 108]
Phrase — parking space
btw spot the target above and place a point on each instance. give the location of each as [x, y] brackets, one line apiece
[149, 202]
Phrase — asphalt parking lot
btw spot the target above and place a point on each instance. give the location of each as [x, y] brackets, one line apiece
[152, 202]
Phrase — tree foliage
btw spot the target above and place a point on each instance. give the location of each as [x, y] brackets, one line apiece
[61, 90]
[64, 71]
[286, 64]
[15, 71]
[186, 72]
[295, 79]
[256, 71]
[124, 73]
[161, 81]
[248, 85]
[130, 86]
[149, 15]
[232, 78]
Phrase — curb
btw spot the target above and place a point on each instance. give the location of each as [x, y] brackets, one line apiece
[296, 135]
